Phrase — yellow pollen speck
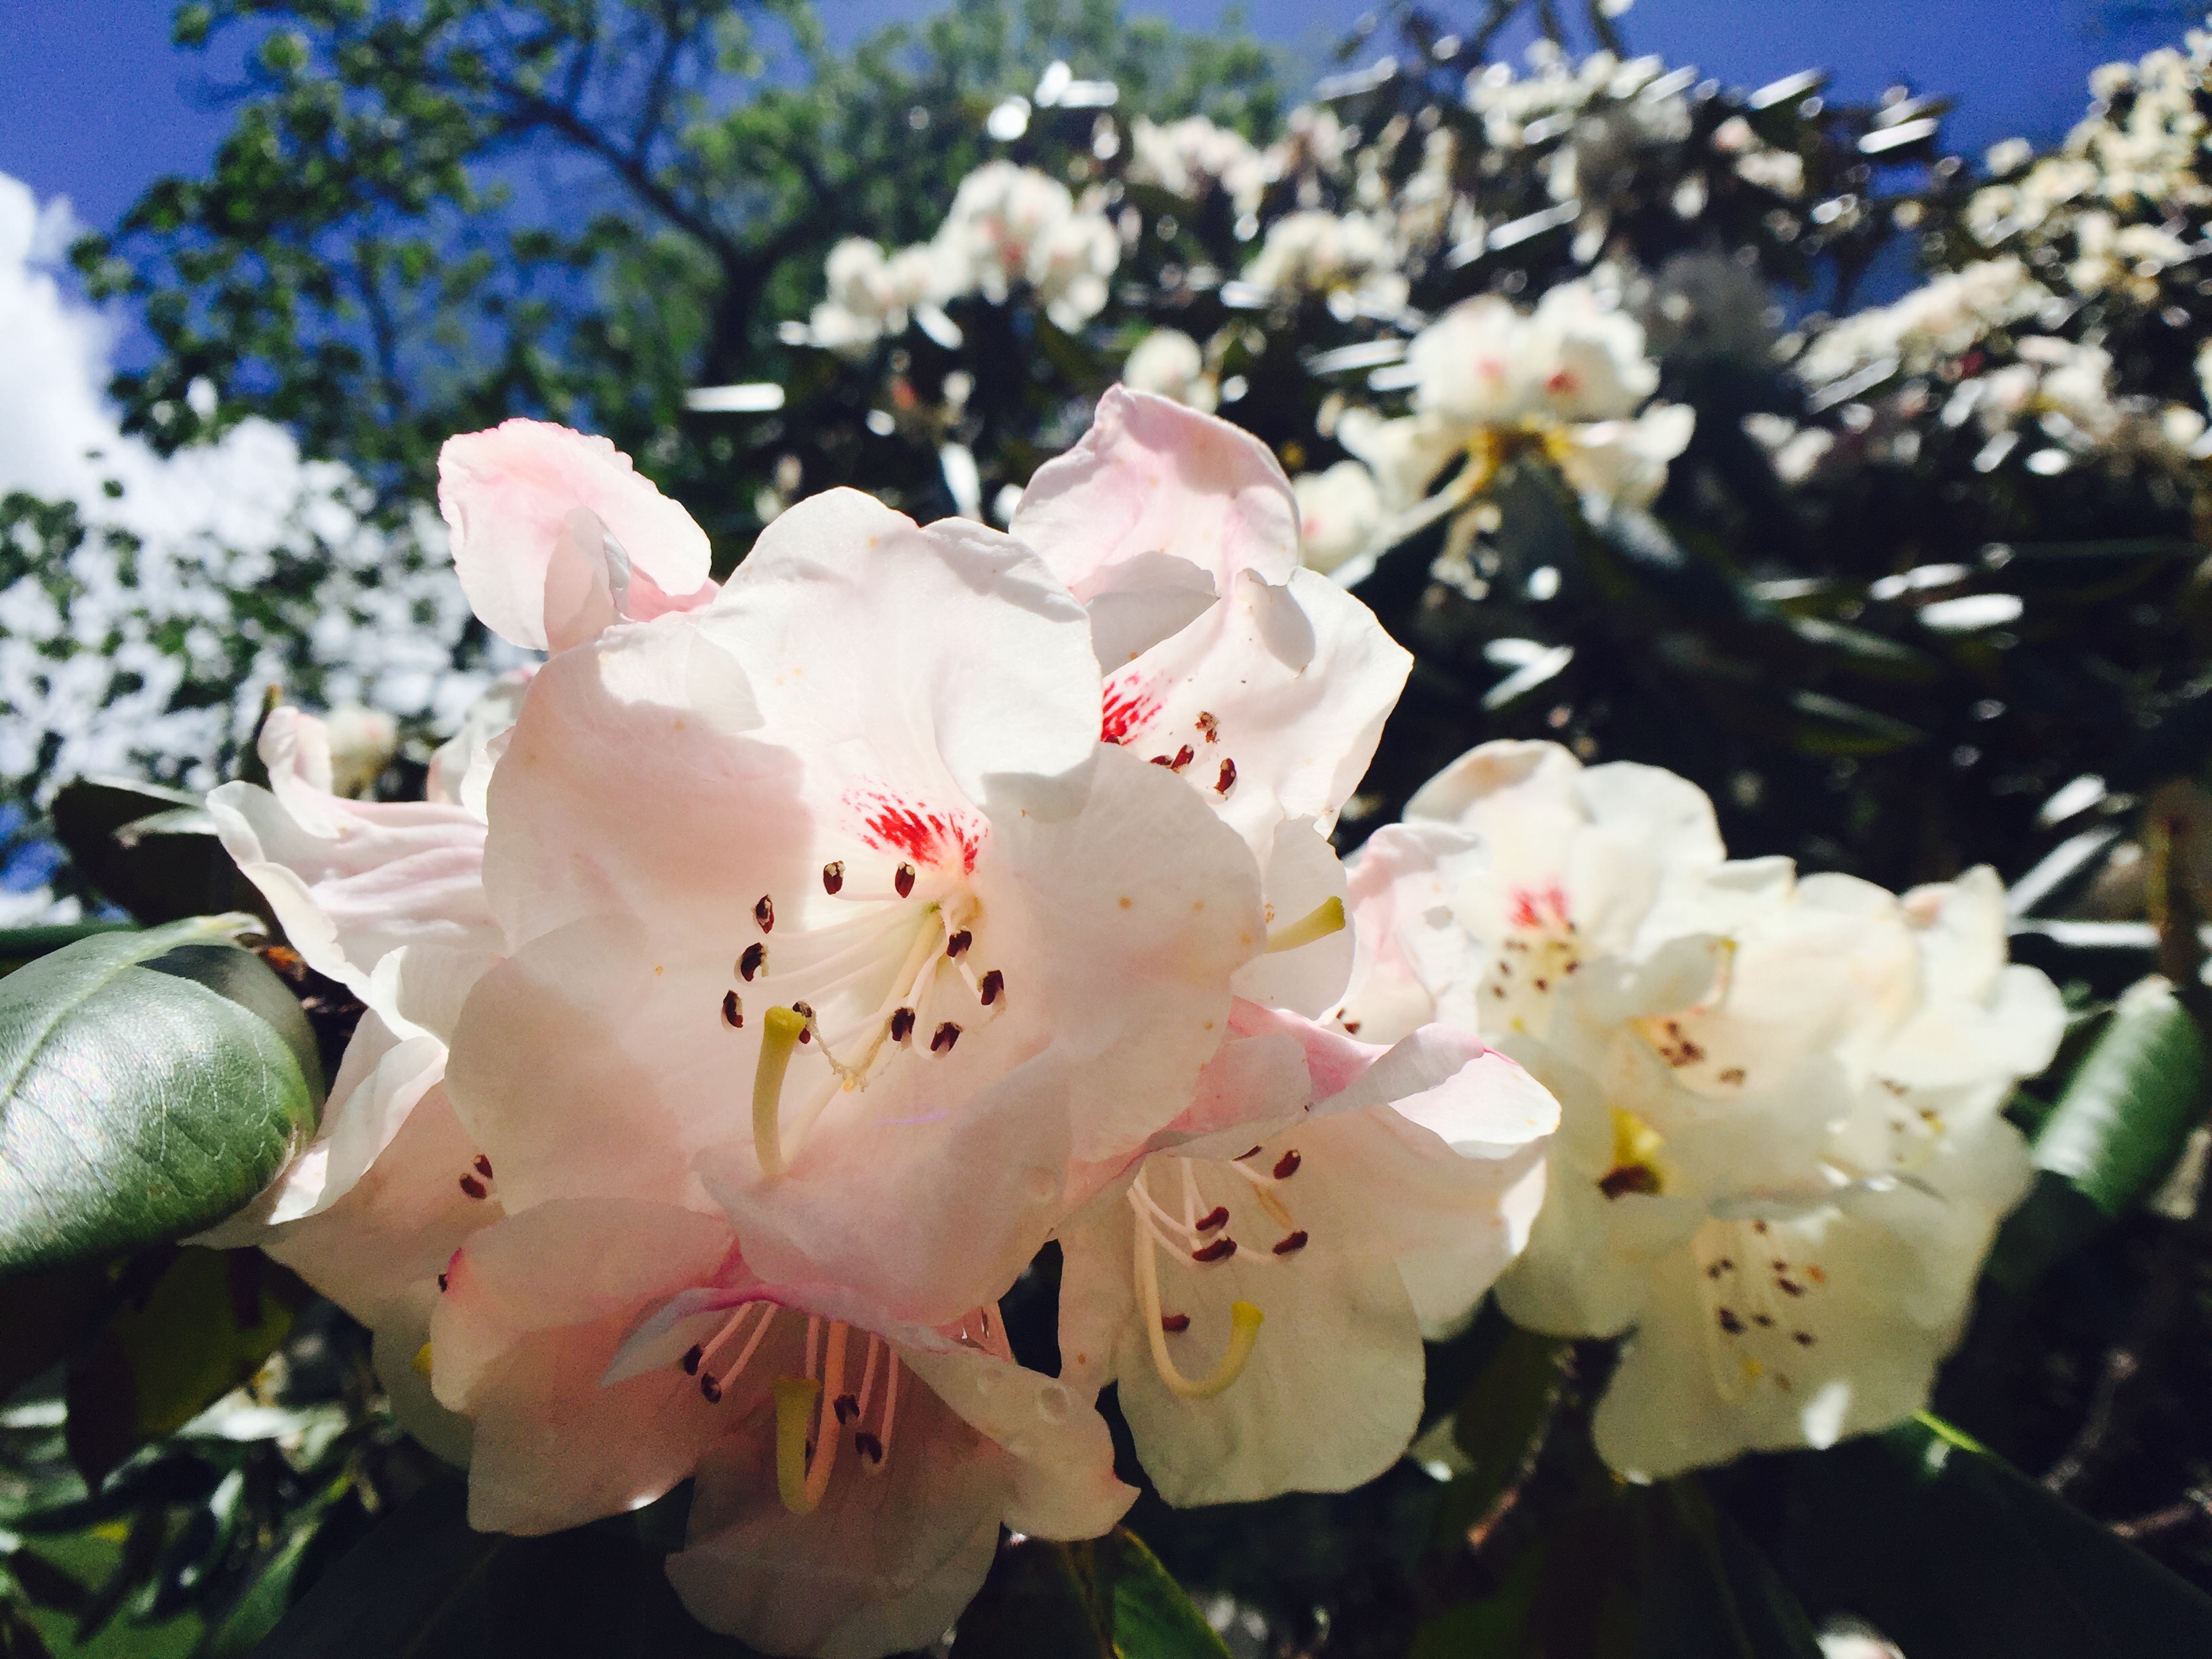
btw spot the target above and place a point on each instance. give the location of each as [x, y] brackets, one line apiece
[1125, 901]
[423, 1360]
[1753, 1369]
[1197, 904]
[658, 969]
[679, 723]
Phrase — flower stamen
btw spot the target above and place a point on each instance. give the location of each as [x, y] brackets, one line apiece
[1318, 923]
[781, 1031]
[1244, 1321]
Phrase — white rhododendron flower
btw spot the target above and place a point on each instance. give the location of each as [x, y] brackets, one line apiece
[852, 1468]
[1780, 1159]
[895, 936]
[1568, 380]
[1339, 512]
[1260, 1292]
[1012, 224]
[872, 293]
[1171, 364]
[1348, 258]
[1186, 157]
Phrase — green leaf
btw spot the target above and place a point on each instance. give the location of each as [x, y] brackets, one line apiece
[143, 1094]
[2124, 1116]
[18, 945]
[424, 1585]
[1500, 1420]
[1153, 1619]
[256, 1612]
[1954, 1554]
[205, 1324]
[151, 850]
[1038, 1600]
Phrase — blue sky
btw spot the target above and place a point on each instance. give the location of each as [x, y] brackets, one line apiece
[99, 105]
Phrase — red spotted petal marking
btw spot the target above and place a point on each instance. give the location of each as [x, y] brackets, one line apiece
[1530, 905]
[1126, 709]
[933, 836]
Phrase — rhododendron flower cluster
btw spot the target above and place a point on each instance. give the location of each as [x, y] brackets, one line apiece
[1780, 1160]
[784, 964]
[1569, 382]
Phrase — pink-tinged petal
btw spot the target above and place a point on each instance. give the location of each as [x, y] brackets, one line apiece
[395, 1349]
[1270, 704]
[395, 1228]
[1413, 962]
[885, 1564]
[510, 496]
[354, 883]
[1152, 476]
[1120, 927]
[532, 1312]
[1303, 874]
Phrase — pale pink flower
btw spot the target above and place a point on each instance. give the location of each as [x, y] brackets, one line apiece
[386, 897]
[556, 535]
[1262, 683]
[853, 1469]
[829, 908]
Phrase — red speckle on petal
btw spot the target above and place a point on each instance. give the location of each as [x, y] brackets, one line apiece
[931, 835]
[1126, 709]
[1530, 905]
[1175, 1324]
[472, 1187]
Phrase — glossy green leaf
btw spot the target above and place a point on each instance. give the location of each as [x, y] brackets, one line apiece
[1500, 1419]
[256, 1612]
[1153, 1619]
[151, 850]
[144, 1091]
[1954, 1554]
[20, 946]
[2122, 1119]
[192, 1333]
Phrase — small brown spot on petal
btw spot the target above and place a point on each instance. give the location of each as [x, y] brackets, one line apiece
[764, 912]
[1227, 780]
[1209, 727]
[734, 1011]
[755, 959]
[483, 1166]
[1287, 1164]
[1175, 1324]
[472, 1187]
